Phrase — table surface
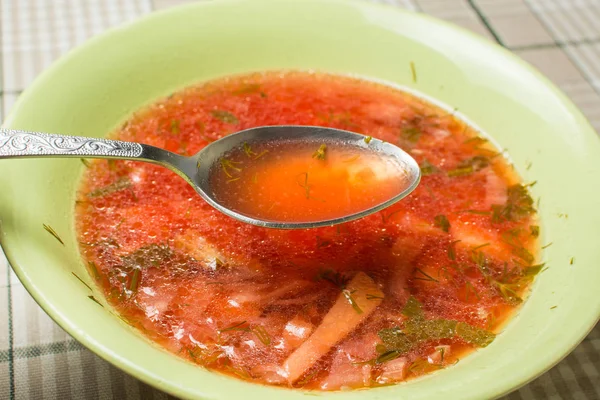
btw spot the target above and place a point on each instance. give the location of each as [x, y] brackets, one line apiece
[39, 360]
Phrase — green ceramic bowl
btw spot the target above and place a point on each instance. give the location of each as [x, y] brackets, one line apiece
[97, 86]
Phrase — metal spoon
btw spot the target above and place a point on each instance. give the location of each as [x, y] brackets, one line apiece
[195, 169]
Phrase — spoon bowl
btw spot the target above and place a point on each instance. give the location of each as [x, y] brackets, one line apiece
[196, 170]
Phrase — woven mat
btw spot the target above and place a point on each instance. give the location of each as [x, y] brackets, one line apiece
[38, 360]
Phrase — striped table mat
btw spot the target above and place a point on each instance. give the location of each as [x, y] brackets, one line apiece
[38, 360]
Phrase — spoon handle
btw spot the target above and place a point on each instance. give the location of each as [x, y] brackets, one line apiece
[14, 143]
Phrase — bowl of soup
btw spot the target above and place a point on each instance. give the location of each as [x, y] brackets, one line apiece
[479, 281]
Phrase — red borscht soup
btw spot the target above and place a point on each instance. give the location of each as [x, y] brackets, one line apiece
[392, 296]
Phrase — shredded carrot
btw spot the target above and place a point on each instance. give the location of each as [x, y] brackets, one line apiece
[341, 319]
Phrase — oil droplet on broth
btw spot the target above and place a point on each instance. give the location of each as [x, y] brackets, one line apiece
[299, 181]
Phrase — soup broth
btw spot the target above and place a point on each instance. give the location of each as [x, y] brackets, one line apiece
[398, 294]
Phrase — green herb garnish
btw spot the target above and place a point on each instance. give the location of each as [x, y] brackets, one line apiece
[237, 327]
[225, 116]
[348, 295]
[417, 329]
[262, 335]
[413, 71]
[334, 277]
[51, 231]
[92, 266]
[368, 139]
[95, 301]
[412, 308]
[320, 153]
[427, 168]
[152, 255]
[469, 166]
[411, 134]
[230, 167]
[519, 204]
[452, 250]
[427, 277]
[134, 284]
[248, 89]
[174, 127]
[473, 335]
[81, 280]
[248, 150]
[85, 162]
[441, 221]
[535, 230]
[120, 184]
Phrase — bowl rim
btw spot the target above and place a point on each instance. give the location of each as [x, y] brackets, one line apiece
[141, 373]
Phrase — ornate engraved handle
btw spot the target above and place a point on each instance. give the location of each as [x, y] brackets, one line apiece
[15, 143]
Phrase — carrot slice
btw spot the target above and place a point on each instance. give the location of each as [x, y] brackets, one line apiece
[359, 299]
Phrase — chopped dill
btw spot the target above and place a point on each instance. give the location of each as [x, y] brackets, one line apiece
[472, 334]
[534, 230]
[248, 89]
[135, 280]
[387, 356]
[51, 231]
[427, 168]
[229, 167]
[336, 278]
[452, 250]
[519, 204]
[348, 295]
[304, 381]
[546, 246]
[417, 329]
[441, 221]
[237, 327]
[225, 116]
[373, 297]
[428, 277]
[412, 308]
[533, 270]
[385, 218]
[413, 71]
[470, 289]
[81, 280]
[411, 134]
[120, 184]
[92, 266]
[322, 242]
[262, 335]
[248, 150]
[572, 261]
[480, 246]
[477, 212]
[95, 301]
[174, 127]
[469, 166]
[303, 183]
[553, 307]
[320, 153]
[262, 153]
[368, 139]
[477, 140]
[85, 162]
[233, 180]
